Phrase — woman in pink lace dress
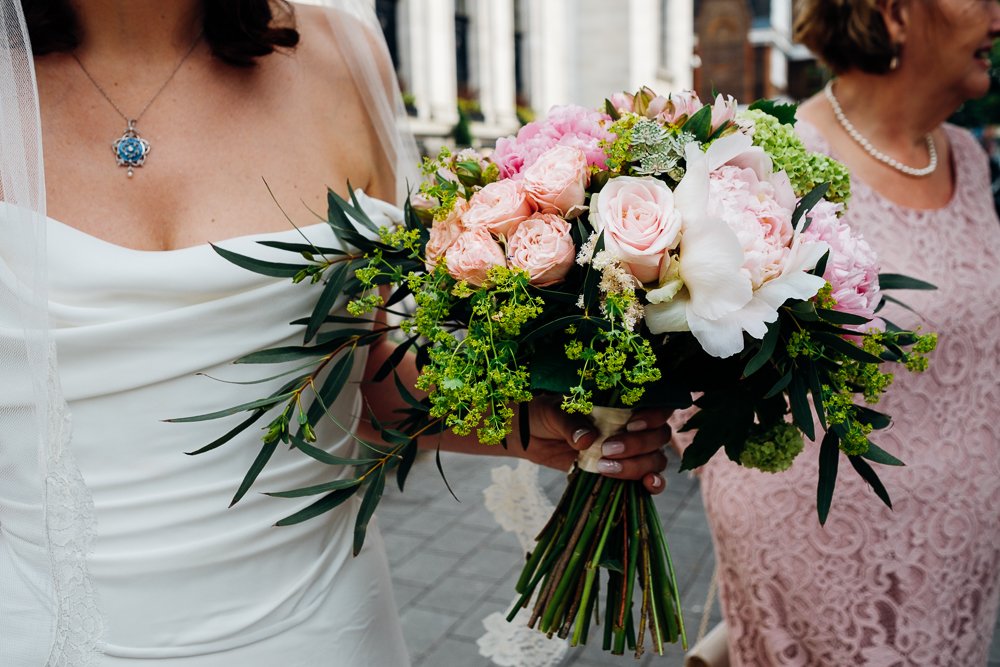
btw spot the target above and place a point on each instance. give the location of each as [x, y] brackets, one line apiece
[916, 585]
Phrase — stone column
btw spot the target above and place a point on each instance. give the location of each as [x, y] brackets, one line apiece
[494, 26]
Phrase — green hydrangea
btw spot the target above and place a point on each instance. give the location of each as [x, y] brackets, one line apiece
[773, 450]
[805, 169]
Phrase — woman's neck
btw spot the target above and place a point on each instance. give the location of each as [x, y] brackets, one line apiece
[138, 32]
[890, 110]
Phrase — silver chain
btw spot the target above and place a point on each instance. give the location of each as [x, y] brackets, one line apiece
[133, 121]
[874, 152]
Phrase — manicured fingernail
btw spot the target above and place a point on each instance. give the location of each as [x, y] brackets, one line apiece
[612, 447]
[579, 433]
[656, 482]
[607, 467]
[637, 425]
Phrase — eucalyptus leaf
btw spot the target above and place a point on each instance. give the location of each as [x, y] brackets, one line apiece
[277, 355]
[799, 404]
[829, 455]
[263, 456]
[847, 348]
[899, 281]
[807, 202]
[780, 385]
[230, 434]
[767, 346]
[406, 394]
[440, 467]
[840, 317]
[268, 402]
[875, 419]
[878, 455]
[394, 359]
[816, 389]
[330, 389]
[316, 490]
[324, 456]
[324, 504]
[301, 248]
[331, 291]
[870, 476]
[273, 269]
[524, 424]
[368, 504]
[407, 457]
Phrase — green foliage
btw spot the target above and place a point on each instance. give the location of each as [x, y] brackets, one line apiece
[805, 169]
[772, 449]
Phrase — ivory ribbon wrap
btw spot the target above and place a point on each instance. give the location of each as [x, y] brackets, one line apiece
[608, 422]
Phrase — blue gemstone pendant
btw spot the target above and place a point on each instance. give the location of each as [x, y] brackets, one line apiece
[131, 149]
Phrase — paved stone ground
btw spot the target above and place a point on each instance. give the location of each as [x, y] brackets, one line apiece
[453, 565]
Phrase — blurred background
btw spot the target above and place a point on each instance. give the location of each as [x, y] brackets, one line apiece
[475, 70]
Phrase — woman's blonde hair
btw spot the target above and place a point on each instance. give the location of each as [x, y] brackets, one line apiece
[845, 34]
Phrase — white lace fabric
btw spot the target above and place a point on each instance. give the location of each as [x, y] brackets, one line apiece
[520, 507]
[916, 586]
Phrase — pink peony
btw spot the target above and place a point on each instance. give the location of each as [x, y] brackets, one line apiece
[499, 207]
[752, 209]
[472, 254]
[639, 222]
[852, 268]
[444, 233]
[543, 247]
[557, 181]
[565, 125]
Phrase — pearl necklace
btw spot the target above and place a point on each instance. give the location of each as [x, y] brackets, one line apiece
[874, 152]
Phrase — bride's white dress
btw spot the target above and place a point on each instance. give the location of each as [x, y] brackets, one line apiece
[184, 580]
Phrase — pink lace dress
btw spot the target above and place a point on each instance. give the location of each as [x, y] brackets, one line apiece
[917, 585]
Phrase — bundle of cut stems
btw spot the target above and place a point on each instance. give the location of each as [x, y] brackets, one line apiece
[605, 524]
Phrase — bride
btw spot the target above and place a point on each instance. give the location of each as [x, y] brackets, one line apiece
[160, 123]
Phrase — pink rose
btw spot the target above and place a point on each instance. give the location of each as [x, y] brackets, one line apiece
[444, 233]
[472, 254]
[753, 209]
[500, 207]
[557, 181]
[639, 222]
[542, 246]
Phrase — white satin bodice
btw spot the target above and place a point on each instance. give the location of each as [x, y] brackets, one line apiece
[181, 577]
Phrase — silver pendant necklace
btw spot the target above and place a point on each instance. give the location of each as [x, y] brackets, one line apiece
[874, 152]
[131, 149]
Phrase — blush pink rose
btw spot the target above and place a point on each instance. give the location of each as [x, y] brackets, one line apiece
[557, 181]
[472, 254]
[499, 207]
[639, 222]
[444, 233]
[542, 246]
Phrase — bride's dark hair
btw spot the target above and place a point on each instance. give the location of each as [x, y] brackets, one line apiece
[238, 31]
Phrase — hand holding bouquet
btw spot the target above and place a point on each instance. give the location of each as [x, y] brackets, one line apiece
[617, 259]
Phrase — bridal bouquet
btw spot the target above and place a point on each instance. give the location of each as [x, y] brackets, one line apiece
[616, 258]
